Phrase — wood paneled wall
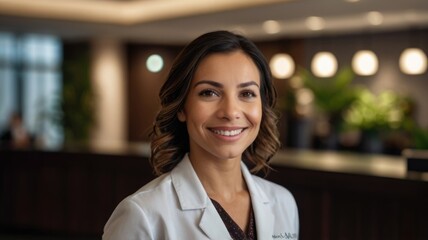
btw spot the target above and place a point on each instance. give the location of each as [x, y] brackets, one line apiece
[144, 86]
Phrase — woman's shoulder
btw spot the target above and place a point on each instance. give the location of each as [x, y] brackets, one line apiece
[134, 215]
[151, 193]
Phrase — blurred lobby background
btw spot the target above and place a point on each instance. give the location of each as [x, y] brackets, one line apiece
[84, 77]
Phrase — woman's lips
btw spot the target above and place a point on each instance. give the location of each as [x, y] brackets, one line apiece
[227, 133]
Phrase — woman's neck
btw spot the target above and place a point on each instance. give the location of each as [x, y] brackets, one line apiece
[221, 178]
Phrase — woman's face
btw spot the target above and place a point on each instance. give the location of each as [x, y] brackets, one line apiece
[223, 109]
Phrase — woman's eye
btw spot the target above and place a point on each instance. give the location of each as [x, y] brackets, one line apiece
[208, 93]
[248, 94]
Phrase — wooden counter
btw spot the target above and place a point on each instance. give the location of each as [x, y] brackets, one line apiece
[354, 196]
[340, 195]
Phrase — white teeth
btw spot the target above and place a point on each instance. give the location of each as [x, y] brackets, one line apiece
[228, 133]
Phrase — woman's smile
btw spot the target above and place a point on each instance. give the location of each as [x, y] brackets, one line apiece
[227, 133]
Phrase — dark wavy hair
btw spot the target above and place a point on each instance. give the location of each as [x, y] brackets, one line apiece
[169, 137]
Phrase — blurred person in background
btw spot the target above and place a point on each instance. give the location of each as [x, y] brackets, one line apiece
[16, 135]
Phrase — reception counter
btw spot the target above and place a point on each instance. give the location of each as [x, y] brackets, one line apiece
[375, 165]
[354, 196]
[72, 192]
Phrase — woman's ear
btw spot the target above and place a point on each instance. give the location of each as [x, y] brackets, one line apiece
[181, 116]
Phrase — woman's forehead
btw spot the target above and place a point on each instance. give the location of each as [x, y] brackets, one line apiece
[230, 65]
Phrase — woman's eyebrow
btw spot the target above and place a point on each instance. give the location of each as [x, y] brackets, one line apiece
[219, 85]
[210, 82]
[247, 84]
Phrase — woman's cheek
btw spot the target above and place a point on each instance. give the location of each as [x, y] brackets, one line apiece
[255, 114]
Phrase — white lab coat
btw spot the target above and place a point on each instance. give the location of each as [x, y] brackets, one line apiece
[176, 206]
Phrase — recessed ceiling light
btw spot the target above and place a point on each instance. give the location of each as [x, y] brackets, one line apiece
[304, 96]
[271, 26]
[375, 18]
[352, 1]
[154, 63]
[315, 23]
[238, 30]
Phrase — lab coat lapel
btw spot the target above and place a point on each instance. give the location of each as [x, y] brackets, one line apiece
[190, 192]
[212, 225]
[264, 219]
[261, 207]
[193, 197]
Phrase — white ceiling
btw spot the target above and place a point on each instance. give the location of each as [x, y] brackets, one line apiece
[178, 21]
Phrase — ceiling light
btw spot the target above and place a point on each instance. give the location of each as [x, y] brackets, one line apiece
[304, 96]
[352, 1]
[413, 61]
[296, 82]
[365, 63]
[271, 26]
[324, 64]
[282, 66]
[238, 30]
[154, 63]
[375, 18]
[315, 23]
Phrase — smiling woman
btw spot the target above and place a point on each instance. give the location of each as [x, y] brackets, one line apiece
[216, 113]
[223, 115]
[188, 72]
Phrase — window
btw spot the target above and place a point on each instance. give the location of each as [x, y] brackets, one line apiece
[30, 83]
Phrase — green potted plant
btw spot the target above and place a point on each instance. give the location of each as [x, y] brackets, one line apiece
[375, 115]
[420, 138]
[417, 155]
[332, 96]
[78, 98]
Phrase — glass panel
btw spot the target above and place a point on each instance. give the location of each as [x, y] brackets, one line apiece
[40, 50]
[7, 48]
[42, 91]
[32, 85]
[53, 135]
[7, 96]
[38, 59]
[52, 50]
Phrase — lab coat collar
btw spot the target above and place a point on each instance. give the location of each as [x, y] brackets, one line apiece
[192, 196]
[261, 206]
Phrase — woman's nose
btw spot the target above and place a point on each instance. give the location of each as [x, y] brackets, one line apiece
[229, 108]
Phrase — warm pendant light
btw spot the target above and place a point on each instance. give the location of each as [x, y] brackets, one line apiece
[324, 64]
[365, 63]
[413, 61]
[282, 66]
